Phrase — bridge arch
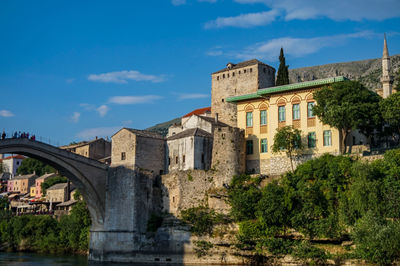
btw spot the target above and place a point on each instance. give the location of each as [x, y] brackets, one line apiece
[89, 176]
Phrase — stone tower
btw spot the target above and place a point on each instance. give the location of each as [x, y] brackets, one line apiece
[387, 79]
[237, 79]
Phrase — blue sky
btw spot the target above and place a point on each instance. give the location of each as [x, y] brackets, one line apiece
[73, 70]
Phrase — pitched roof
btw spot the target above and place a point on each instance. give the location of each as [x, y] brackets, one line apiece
[80, 144]
[25, 176]
[288, 87]
[67, 203]
[45, 176]
[191, 132]
[212, 121]
[14, 157]
[143, 133]
[243, 64]
[58, 186]
[199, 111]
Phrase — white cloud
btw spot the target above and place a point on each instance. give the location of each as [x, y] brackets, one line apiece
[189, 96]
[75, 117]
[178, 2]
[6, 113]
[122, 77]
[90, 133]
[355, 10]
[134, 99]
[295, 47]
[102, 110]
[244, 20]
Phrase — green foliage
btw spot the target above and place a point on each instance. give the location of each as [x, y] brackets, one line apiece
[390, 110]
[377, 240]
[272, 210]
[348, 105]
[278, 246]
[154, 222]
[243, 196]
[30, 165]
[201, 248]
[45, 234]
[202, 219]
[190, 177]
[306, 251]
[287, 139]
[282, 77]
[52, 181]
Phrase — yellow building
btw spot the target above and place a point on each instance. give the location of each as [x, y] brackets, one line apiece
[33, 191]
[260, 114]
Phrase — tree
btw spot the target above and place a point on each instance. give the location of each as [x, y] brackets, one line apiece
[347, 106]
[30, 165]
[287, 139]
[282, 78]
[390, 111]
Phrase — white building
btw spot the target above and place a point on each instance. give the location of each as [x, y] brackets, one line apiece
[11, 164]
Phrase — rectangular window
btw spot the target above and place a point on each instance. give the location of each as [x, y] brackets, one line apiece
[296, 111]
[310, 106]
[123, 156]
[263, 117]
[183, 159]
[264, 145]
[281, 115]
[176, 160]
[249, 119]
[249, 147]
[311, 140]
[327, 138]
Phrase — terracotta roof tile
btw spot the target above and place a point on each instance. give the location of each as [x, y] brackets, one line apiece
[199, 111]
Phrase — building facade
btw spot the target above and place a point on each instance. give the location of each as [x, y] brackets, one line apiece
[38, 184]
[97, 149]
[138, 149]
[22, 183]
[261, 114]
[11, 164]
[238, 79]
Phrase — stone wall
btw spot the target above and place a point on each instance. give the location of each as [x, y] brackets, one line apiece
[228, 157]
[234, 82]
[185, 189]
[123, 142]
[150, 154]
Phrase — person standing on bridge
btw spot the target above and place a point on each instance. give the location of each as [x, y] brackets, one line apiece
[3, 136]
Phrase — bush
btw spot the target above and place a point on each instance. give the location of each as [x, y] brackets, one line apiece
[202, 219]
[202, 247]
[377, 240]
[304, 250]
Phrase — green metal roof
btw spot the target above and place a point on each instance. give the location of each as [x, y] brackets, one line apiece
[288, 87]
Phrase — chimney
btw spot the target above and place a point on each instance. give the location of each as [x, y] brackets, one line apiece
[216, 118]
[96, 137]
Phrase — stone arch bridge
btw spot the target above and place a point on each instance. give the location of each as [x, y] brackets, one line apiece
[88, 175]
[120, 200]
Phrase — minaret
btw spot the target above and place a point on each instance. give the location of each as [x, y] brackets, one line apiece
[387, 79]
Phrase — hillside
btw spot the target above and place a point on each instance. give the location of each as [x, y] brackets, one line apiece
[162, 128]
[367, 72]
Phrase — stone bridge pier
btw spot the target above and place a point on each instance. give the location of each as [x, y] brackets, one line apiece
[119, 199]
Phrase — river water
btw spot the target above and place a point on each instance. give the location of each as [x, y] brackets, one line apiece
[32, 259]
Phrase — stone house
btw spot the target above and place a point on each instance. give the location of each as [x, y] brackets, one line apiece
[58, 193]
[22, 183]
[96, 149]
[189, 149]
[138, 149]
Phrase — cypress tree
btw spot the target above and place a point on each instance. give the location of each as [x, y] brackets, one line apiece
[282, 77]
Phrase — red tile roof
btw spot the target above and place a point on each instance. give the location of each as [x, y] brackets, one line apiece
[198, 111]
[14, 157]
